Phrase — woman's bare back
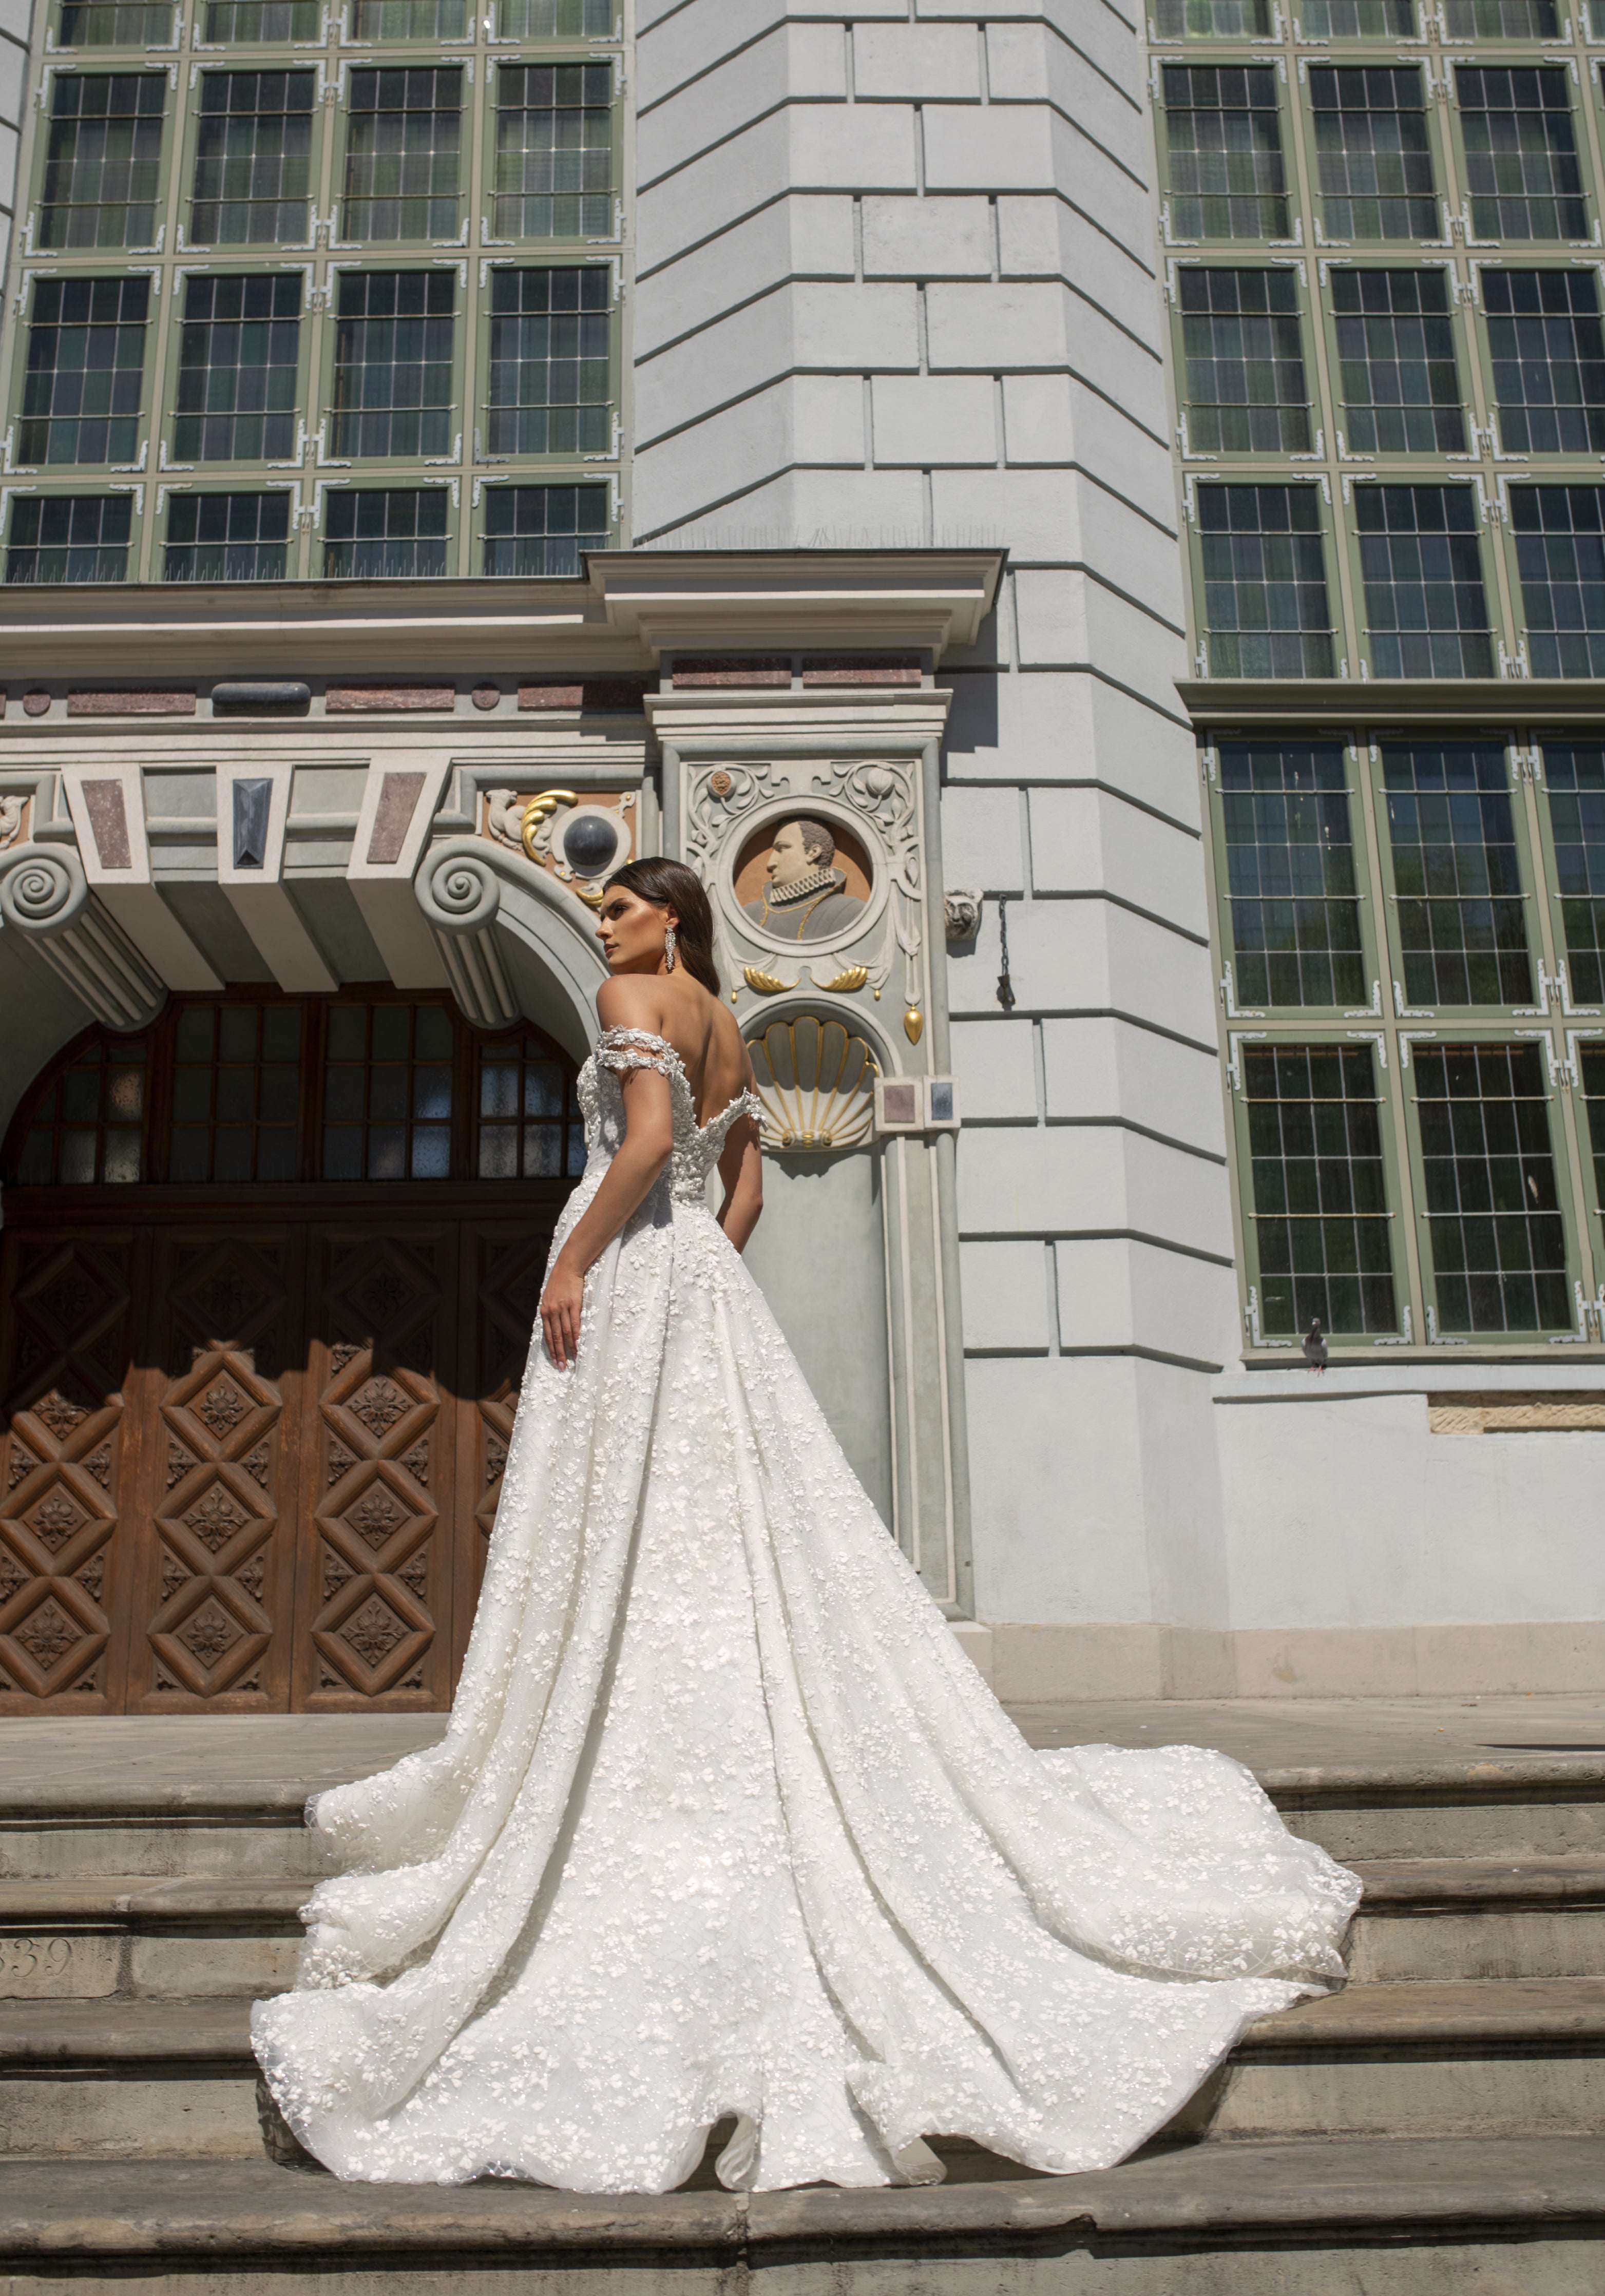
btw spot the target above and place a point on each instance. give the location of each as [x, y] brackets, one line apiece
[702, 1029]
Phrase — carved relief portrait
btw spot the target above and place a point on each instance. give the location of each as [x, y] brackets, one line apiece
[802, 894]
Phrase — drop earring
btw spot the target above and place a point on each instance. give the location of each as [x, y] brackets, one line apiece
[668, 948]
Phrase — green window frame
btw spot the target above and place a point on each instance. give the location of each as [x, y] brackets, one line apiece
[238, 362]
[554, 170]
[1457, 869]
[559, 19]
[404, 151]
[1315, 1154]
[1571, 811]
[550, 385]
[1395, 369]
[1546, 358]
[1288, 862]
[101, 180]
[1557, 534]
[543, 530]
[1243, 380]
[393, 392]
[259, 23]
[227, 536]
[385, 22]
[68, 538]
[1226, 176]
[1425, 599]
[84, 384]
[1519, 140]
[1501, 20]
[1374, 172]
[253, 178]
[1357, 19]
[1264, 590]
[89, 24]
[1212, 19]
[387, 533]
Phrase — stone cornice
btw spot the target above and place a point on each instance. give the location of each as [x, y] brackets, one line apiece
[723, 719]
[631, 607]
[1468, 703]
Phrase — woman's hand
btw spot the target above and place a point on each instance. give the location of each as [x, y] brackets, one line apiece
[561, 1304]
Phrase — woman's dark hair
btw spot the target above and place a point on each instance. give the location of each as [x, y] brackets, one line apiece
[671, 885]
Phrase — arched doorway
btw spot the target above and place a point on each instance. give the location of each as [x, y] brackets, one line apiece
[270, 1269]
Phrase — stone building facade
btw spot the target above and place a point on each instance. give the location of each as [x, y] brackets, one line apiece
[443, 456]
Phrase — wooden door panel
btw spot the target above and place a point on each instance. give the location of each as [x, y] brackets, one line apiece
[70, 1465]
[213, 1608]
[374, 1599]
[503, 1264]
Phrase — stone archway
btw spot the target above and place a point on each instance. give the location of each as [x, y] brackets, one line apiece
[271, 1267]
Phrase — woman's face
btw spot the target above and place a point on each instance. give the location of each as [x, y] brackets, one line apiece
[631, 932]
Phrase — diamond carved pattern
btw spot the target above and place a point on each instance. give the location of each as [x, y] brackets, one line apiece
[375, 1515]
[379, 1404]
[215, 1519]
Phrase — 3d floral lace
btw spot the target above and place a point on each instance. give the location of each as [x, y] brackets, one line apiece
[725, 1823]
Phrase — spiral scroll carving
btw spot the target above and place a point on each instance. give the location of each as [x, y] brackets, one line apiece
[458, 892]
[44, 888]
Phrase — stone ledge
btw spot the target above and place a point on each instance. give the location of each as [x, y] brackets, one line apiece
[199, 2210]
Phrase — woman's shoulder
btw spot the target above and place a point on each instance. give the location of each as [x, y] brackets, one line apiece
[631, 1001]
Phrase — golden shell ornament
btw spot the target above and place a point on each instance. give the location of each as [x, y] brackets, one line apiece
[816, 1084]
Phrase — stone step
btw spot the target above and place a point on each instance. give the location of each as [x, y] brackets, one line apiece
[1489, 2057]
[1517, 2217]
[129, 1936]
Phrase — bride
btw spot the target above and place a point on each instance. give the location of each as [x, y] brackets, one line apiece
[724, 1823]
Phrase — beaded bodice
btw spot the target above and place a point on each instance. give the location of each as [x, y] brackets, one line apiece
[697, 1148]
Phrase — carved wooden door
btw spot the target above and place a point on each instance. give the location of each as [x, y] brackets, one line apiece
[71, 1462]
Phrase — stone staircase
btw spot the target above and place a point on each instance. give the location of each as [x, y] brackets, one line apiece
[1438, 2125]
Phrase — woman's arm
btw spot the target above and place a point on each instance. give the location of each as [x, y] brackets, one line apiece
[742, 1169]
[648, 1139]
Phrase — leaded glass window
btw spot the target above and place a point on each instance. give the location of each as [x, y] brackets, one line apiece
[1548, 352]
[1246, 390]
[548, 387]
[86, 363]
[1456, 874]
[1501, 20]
[253, 159]
[1290, 874]
[563, 20]
[1265, 608]
[393, 363]
[1212, 19]
[115, 24]
[102, 159]
[402, 152]
[1374, 161]
[238, 353]
[543, 529]
[242, 23]
[388, 1093]
[1426, 610]
[409, 20]
[1321, 1224]
[1357, 19]
[227, 538]
[1592, 1068]
[89, 1126]
[554, 151]
[236, 1093]
[1395, 363]
[384, 532]
[1493, 1218]
[1521, 151]
[1223, 135]
[69, 537]
[530, 1125]
[1575, 772]
[1561, 551]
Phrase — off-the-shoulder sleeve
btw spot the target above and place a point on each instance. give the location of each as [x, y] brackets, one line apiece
[620, 1049]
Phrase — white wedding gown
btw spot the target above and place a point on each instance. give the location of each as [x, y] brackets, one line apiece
[724, 1822]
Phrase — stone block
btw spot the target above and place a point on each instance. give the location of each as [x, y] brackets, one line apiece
[792, 238]
[1020, 326]
[1089, 957]
[792, 62]
[1005, 1295]
[980, 839]
[924, 63]
[840, 509]
[802, 148]
[1009, 147]
[807, 418]
[1066, 517]
[809, 324]
[1025, 62]
[56, 1965]
[1066, 619]
[1091, 1180]
[1055, 418]
[1095, 1069]
[1114, 1292]
[927, 239]
[995, 1064]
[1087, 838]
[927, 420]
[1043, 238]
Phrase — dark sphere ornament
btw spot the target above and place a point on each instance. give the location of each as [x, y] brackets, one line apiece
[590, 845]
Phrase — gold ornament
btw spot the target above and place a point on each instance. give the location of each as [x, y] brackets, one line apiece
[765, 983]
[914, 1024]
[854, 977]
[535, 812]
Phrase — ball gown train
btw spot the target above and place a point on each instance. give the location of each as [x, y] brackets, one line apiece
[725, 1823]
